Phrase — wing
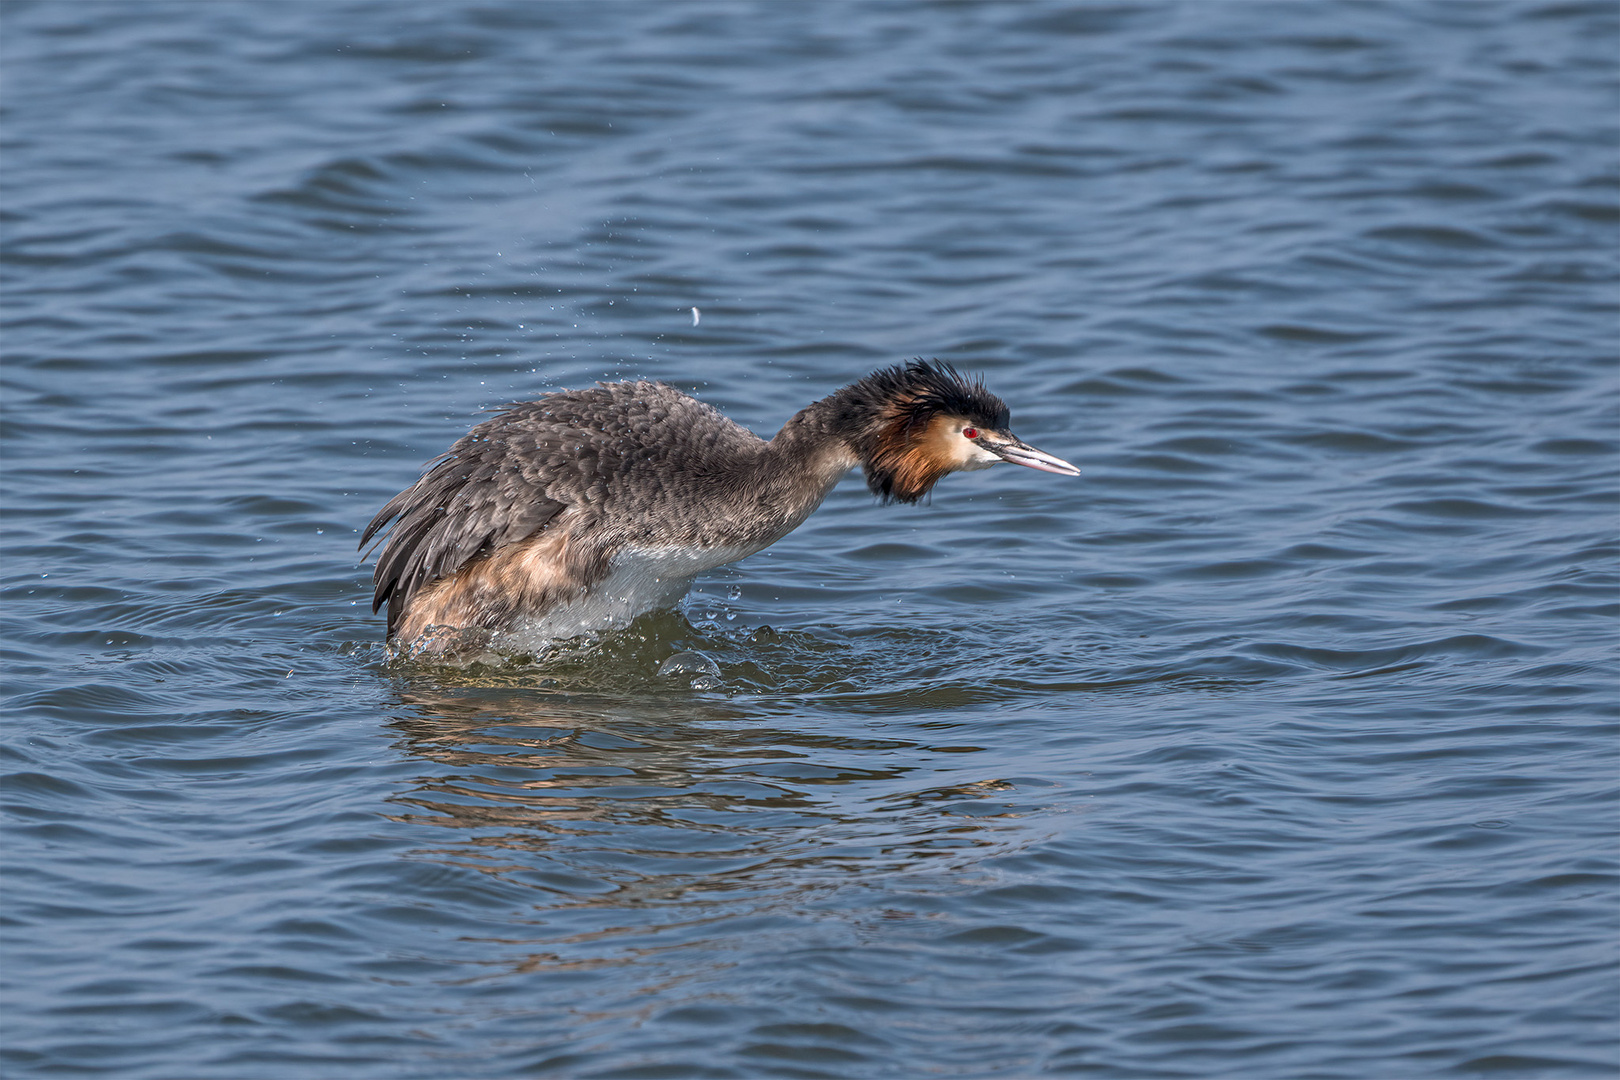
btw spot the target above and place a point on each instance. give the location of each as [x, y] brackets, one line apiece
[622, 452]
[473, 500]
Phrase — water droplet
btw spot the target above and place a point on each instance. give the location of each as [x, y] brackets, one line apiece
[689, 662]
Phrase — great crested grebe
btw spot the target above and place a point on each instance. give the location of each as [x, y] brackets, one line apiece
[587, 508]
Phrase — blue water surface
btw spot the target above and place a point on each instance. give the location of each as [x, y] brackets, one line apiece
[1279, 744]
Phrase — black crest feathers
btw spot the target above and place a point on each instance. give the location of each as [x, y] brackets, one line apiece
[892, 413]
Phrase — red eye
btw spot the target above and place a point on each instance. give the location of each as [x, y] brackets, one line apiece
[970, 433]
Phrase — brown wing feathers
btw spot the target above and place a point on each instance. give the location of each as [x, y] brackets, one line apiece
[467, 504]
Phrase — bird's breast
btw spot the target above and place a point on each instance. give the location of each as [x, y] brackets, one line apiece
[652, 565]
[639, 580]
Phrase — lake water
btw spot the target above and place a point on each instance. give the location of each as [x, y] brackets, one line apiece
[1281, 743]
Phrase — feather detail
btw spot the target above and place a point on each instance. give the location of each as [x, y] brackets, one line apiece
[896, 414]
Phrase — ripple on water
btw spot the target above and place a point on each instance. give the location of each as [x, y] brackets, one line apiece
[1297, 704]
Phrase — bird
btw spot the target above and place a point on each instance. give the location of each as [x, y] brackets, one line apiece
[584, 509]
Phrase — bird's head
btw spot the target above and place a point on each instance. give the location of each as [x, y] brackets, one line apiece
[915, 423]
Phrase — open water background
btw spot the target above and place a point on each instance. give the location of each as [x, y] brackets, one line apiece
[1279, 744]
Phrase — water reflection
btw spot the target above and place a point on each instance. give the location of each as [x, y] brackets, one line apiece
[605, 803]
[591, 815]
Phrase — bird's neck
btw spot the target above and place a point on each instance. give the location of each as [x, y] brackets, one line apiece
[858, 425]
[804, 462]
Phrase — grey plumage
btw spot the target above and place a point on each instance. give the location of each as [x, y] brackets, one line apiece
[529, 511]
[622, 457]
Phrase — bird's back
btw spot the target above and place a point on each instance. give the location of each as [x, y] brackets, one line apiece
[620, 465]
